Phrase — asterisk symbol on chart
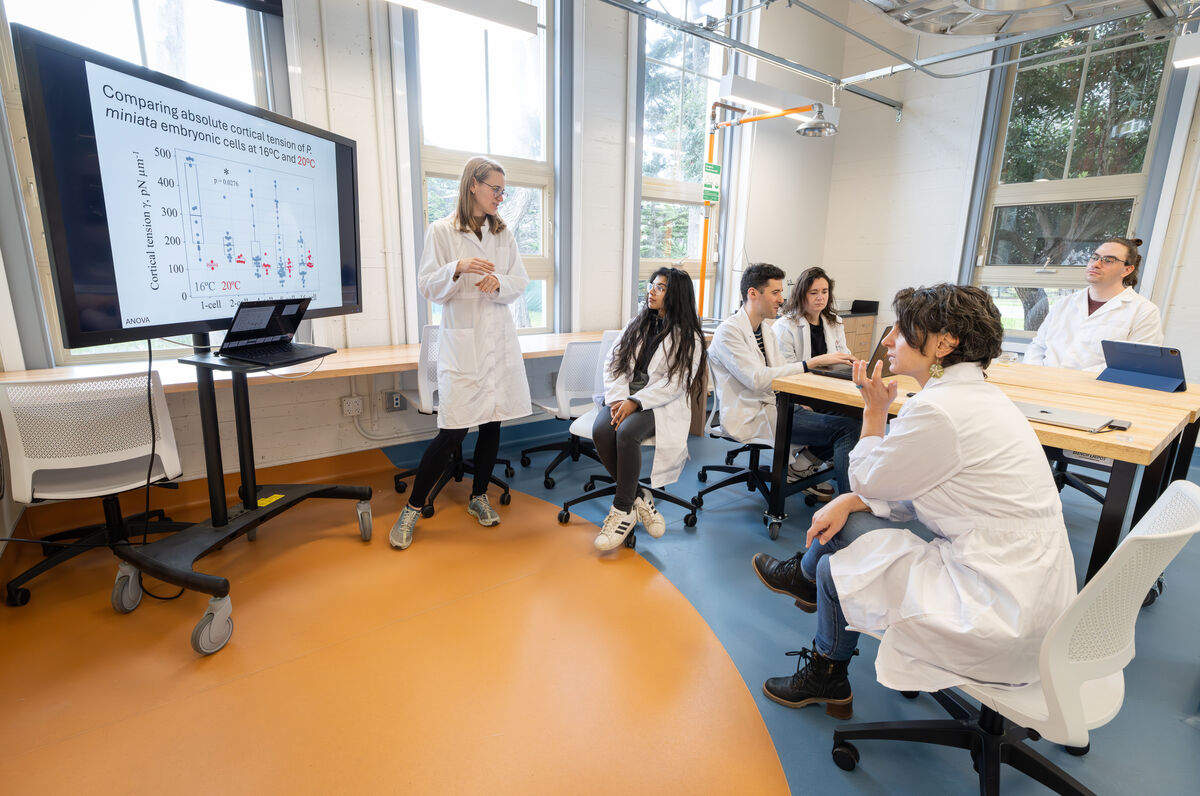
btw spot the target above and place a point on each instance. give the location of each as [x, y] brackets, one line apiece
[226, 171]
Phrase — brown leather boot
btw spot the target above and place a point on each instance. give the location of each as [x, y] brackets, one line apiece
[821, 680]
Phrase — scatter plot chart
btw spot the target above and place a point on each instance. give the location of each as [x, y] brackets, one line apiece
[248, 230]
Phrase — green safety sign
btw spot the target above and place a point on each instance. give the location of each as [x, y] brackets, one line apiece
[712, 182]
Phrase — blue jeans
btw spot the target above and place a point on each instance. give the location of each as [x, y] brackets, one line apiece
[833, 640]
[831, 437]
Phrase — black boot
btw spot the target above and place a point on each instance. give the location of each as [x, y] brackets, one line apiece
[785, 577]
[821, 680]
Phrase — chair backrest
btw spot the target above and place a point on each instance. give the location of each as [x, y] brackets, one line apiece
[427, 383]
[607, 341]
[85, 437]
[1094, 636]
[576, 377]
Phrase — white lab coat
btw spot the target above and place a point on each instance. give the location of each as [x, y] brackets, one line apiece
[668, 399]
[974, 604]
[795, 343]
[1070, 338]
[743, 382]
[481, 374]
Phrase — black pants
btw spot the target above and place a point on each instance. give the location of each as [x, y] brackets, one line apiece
[437, 457]
[620, 450]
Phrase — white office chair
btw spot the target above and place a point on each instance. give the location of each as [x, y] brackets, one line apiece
[1082, 660]
[582, 428]
[84, 438]
[573, 391]
[426, 400]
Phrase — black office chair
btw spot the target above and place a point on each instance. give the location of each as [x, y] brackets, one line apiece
[425, 399]
[1060, 460]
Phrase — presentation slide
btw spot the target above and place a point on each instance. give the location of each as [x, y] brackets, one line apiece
[209, 206]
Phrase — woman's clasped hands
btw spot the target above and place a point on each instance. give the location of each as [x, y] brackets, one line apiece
[485, 268]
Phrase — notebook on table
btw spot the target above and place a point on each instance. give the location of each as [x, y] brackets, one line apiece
[847, 372]
[261, 333]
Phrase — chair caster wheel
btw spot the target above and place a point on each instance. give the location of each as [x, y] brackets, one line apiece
[702, 477]
[401, 485]
[773, 529]
[505, 498]
[509, 472]
[810, 501]
[548, 482]
[698, 502]
[564, 517]
[631, 541]
[689, 520]
[729, 457]
[525, 461]
[1078, 751]
[17, 597]
[845, 755]
[589, 486]
[127, 591]
[364, 520]
[427, 510]
[910, 694]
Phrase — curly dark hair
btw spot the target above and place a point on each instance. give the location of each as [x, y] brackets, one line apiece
[964, 311]
[795, 303]
[682, 323]
[1132, 258]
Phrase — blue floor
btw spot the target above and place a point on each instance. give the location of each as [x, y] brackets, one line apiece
[1151, 747]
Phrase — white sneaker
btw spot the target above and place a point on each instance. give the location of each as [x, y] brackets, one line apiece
[616, 527]
[654, 523]
[402, 532]
[803, 464]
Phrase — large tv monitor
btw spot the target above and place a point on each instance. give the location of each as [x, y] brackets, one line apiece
[166, 205]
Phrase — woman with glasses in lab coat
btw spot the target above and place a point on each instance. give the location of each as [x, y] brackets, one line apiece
[471, 267]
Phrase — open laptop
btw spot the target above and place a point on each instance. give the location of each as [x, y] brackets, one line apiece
[1067, 418]
[847, 372]
[262, 331]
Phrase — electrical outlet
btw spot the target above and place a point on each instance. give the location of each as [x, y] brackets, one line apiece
[393, 401]
[352, 406]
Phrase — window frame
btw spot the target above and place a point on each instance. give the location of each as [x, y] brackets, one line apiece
[443, 163]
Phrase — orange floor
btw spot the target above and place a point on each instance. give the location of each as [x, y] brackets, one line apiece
[504, 660]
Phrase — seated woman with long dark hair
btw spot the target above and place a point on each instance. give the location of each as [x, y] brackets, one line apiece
[973, 603]
[652, 375]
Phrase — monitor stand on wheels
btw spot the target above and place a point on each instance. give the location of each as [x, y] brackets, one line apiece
[172, 559]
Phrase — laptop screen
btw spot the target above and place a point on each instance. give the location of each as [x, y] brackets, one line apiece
[264, 322]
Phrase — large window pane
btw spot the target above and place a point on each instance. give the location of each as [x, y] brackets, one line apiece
[674, 129]
[183, 36]
[1024, 308]
[1040, 123]
[671, 231]
[1118, 107]
[521, 210]
[107, 27]
[1056, 234]
[517, 82]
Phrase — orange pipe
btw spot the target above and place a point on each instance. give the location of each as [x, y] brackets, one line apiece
[761, 117]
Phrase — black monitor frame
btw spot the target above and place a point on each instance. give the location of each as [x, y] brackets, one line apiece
[63, 242]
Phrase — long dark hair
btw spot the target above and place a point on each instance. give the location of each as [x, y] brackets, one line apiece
[681, 322]
[795, 303]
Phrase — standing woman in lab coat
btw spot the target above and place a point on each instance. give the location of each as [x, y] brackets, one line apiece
[972, 604]
[471, 267]
[652, 375]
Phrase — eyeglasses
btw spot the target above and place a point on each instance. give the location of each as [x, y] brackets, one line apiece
[657, 287]
[499, 192]
[1107, 259]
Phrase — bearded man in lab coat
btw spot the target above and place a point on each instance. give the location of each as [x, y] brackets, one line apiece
[1108, 309]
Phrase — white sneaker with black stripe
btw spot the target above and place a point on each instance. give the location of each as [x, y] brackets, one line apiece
[654, 523]
[617, 525]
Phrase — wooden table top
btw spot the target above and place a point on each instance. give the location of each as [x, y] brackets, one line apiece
[177, 377]
[1081, 382]
[1153, 427]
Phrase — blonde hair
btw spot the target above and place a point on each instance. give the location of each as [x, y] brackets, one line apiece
[476, 171]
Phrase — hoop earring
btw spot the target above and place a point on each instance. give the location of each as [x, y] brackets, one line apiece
[936, 371]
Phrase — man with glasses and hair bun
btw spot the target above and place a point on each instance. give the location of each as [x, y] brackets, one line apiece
[1108, 309]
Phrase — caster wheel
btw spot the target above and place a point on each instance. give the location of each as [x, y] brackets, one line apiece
[589, 486]
[427, 510]
[17, 597]
[845, 755]
[505, 498]
[564, 516]
[526, 461]
[689, 520]
[548, 482]
[729, 457]
[126, 593]
[509, 472]
[1078, 751]
[773, 529]
[401, 485]
[702, 477]
[205, 639]
[910, 694]
[631, 541]
[574, 457]
[364, 520]
[698, 502]
[810, 501]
